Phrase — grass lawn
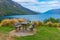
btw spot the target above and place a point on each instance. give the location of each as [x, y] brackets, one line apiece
[43, 33]
[5, 30]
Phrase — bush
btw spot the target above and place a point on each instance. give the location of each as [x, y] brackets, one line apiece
[5, 22]
[52, 20]
[8, 22]
[50, 24]
[37, 23]
[11, 22]
[21, 20]
[54, 25]
[40, 23]
[58, 24]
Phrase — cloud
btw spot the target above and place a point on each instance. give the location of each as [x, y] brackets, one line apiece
[42, 6]
[22, 1]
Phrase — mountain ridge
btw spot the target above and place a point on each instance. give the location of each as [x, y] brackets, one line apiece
[53, 11]
[9, 7]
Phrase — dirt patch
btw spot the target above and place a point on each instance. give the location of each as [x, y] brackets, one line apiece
[22, 33]
[58, 28]
[9, 38]
[5, 37]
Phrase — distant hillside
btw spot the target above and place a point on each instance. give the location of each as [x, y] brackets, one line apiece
[55, 11]
[9, 7]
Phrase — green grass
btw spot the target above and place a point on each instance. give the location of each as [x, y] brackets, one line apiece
[5, 29]
[43, 33]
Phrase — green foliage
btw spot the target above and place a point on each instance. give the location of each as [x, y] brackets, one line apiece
[52, 20]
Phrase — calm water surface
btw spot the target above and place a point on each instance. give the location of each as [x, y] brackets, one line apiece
[39, 17]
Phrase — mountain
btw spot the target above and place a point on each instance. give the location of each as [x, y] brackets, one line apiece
[53, 11]
[9, 7]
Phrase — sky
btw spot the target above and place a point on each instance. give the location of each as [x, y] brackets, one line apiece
[40, 5]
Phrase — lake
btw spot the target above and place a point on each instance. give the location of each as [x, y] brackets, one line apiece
[39, 17]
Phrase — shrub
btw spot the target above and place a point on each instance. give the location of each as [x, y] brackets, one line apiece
[37, 23]
[12, 21]
[21, 20]
[58, 24]
[8, 22]
[40, 23]
[55, 25]
[5, 22]
[53, 20]
[34, 22]
[50, 24]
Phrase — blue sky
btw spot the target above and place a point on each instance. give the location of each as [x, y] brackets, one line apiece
[40, 5]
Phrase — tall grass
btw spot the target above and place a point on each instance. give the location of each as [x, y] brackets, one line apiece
[38, 23]
[10, 22]
[49, 22]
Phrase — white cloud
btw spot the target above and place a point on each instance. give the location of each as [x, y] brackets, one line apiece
[39, 6]
[25, 1]
[55, 3]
